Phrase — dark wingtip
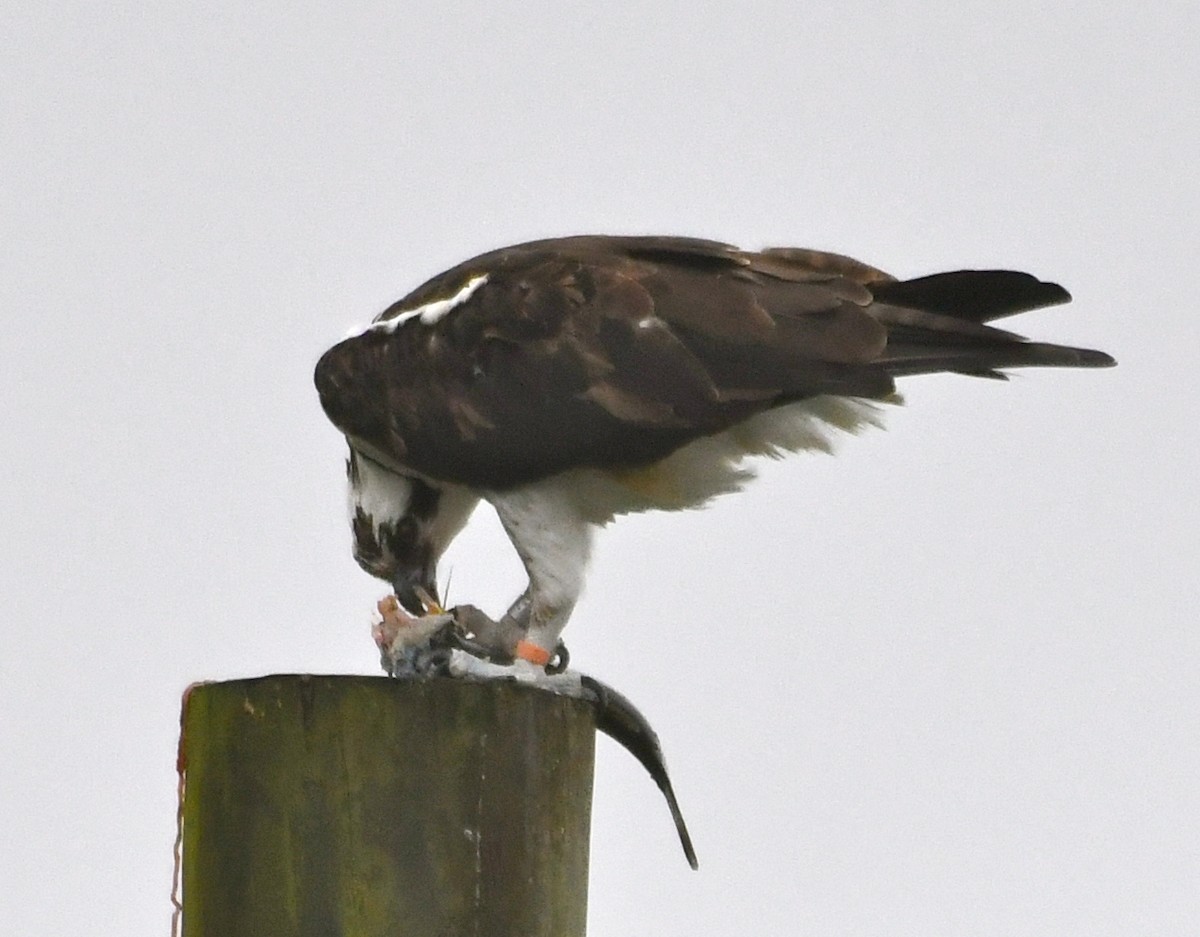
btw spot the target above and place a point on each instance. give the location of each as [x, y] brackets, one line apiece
[1055, 293]
[1068, 357]
[974, 295]
[1088, 358]
[1042, 354]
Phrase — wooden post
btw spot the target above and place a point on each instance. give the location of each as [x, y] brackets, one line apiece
[364, 806]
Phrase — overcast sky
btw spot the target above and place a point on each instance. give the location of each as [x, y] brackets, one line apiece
[941, 684]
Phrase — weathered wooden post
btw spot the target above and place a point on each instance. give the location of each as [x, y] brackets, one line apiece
[363, 806]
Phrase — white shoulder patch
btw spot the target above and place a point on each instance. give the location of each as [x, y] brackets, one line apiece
[429, 313]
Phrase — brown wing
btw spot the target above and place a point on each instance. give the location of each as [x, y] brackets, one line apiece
[616, 351]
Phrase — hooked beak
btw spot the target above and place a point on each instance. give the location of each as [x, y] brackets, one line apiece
[417, 591]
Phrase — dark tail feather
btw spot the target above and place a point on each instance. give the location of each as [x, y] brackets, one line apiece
[946, 331]
[986, 361]
[973, 295]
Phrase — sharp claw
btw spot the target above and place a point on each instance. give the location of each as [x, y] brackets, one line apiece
[561, 659]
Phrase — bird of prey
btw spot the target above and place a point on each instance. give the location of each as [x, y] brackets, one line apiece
[572, 380]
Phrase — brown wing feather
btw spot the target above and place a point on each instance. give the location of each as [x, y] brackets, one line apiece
[614, 351]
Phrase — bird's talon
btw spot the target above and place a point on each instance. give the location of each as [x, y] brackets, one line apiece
[425, 645]
[561, 660]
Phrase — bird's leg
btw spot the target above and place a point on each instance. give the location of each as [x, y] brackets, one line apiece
[519, 619]
[485, 637]
[553, 539]
[496, 641]
[502, 650]
[546, 624]
[518, 613]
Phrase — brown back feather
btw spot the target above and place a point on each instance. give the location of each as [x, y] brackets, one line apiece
[614, 351]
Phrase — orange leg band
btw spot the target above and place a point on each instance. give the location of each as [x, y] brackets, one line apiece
[527, 650]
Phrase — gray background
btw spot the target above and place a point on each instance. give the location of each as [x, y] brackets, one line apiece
[941, 684]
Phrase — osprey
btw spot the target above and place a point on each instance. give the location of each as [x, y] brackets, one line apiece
[571, 380]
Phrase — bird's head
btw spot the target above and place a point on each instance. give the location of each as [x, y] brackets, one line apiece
[401, 526]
